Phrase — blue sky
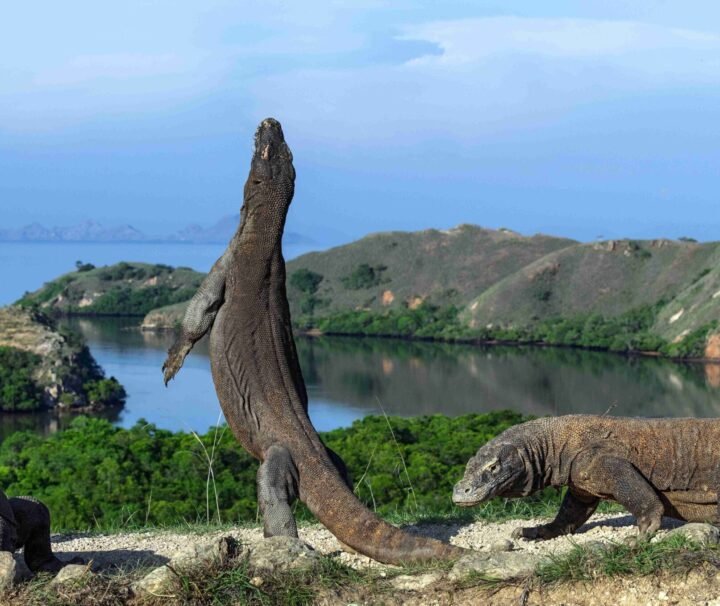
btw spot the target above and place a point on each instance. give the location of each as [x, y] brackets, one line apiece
[583, 119]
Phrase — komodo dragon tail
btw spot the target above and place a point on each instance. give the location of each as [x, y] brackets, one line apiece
[336, 506]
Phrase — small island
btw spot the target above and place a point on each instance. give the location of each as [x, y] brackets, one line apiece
[45, 368]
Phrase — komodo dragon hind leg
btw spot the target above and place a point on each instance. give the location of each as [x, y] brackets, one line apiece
[575, 510]
[33, 523]
[277, 480]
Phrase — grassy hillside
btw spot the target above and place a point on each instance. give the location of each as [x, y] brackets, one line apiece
[463, 283]
[405, 269]
[608, 278]
[130, 289]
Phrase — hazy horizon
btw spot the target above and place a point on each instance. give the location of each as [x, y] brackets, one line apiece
[576, 120]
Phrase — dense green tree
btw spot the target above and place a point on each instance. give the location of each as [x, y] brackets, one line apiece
[18, 390]
[364, 276]
[94, 475]
[306, 281]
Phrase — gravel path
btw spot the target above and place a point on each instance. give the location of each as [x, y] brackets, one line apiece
[154, 548]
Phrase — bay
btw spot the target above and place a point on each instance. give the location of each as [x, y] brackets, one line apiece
[349, 378]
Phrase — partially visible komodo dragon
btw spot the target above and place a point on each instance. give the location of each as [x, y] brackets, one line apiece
[25, 522]
[243, 303]
[653, 467]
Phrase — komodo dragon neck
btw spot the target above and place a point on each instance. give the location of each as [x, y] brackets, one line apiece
[546, 454]
[252, 339]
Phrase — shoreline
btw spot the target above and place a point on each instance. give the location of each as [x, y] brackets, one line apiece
[317, 333]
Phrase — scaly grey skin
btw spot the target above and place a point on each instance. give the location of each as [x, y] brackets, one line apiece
[653, 467]
[243, 304]
[25, 522]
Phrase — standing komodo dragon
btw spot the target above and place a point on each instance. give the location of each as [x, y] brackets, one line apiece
[243, 303]
[653, 467]
[25, 522]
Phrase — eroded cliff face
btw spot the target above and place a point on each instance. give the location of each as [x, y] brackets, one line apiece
[712, 346]
[65, 366]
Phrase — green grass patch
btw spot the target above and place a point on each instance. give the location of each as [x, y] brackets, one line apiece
[675, 553]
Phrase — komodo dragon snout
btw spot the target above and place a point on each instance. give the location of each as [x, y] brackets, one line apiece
[496, 469]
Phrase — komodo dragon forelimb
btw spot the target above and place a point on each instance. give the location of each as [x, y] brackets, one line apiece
[199, 315]
[25, 523]
[243, 304]
[653, 467]
[575, 510]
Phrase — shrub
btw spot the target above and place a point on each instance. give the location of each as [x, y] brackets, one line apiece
[306, 281]
[364, 276]
[104, 391]
[96, 475]
[18, 390]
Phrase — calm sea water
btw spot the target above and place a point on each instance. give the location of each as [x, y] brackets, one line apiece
[350, 378]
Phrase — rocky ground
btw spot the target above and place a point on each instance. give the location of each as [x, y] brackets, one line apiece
[153, 548]
[231, 566]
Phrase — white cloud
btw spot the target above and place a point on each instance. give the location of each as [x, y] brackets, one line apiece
[494, 75]
[472, 40]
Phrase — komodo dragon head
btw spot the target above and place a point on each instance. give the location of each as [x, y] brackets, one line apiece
[496, 470]
[271, 183]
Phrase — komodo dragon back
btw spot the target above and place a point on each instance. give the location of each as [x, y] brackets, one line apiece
[257, 376]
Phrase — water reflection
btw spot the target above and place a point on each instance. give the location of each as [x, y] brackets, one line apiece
[45, 423]
[349, 378]
[411, 378]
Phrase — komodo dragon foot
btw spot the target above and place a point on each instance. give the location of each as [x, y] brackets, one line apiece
[25, 522]
[176, 356]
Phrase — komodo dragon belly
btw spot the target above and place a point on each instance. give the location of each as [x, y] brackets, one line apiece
[691, 505]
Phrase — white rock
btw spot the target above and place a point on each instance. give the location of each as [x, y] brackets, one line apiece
[217, 550]
[418, 582]
[705, 534]
[282, 553]
[12, 570]
[159, 580]
[500, 566]
[71, 572]
[156, 582]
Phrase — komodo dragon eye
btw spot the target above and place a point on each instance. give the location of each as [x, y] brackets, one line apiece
[492, 466]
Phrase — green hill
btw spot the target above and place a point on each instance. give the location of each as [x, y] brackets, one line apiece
[406, 269]
[608, 278]
[396, 270]
[128, 289]
[464, 283]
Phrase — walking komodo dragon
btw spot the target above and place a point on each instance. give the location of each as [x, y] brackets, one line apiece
[243, 303]
[653, 467]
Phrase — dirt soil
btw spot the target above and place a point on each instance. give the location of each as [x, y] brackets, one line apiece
[701, 586]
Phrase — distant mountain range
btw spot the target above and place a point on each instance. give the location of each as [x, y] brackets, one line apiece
[92, 231]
